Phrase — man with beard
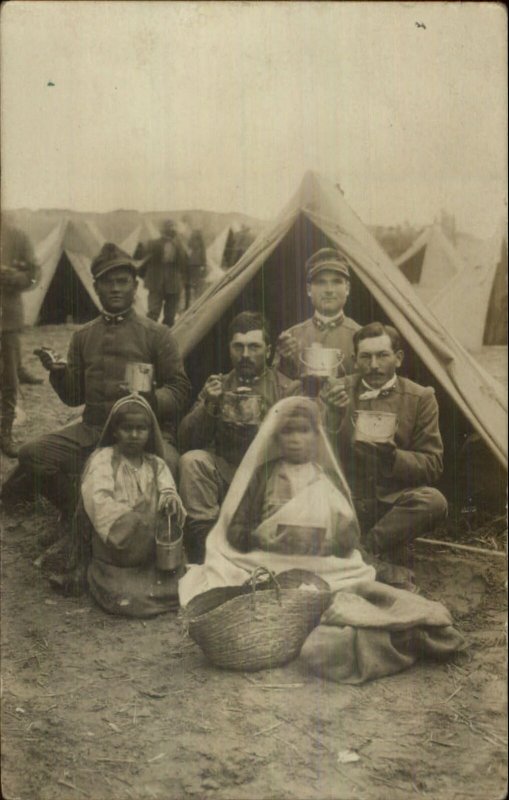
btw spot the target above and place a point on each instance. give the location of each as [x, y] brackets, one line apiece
[220, 427]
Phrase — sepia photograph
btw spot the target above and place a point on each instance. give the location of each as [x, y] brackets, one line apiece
[253, 446]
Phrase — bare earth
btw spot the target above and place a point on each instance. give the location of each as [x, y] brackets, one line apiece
[100, 707]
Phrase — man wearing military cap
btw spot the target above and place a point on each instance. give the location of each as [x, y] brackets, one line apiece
[94, 375]
[328, 287]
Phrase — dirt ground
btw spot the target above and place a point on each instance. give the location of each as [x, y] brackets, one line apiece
[106, 708]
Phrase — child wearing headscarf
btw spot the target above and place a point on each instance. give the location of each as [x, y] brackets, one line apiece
[126, 487]
[293, 504]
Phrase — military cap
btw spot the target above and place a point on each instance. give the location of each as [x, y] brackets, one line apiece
[110, 257]
[326, 258]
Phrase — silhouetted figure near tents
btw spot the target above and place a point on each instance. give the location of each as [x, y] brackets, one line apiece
[164, 273]
[18, 272]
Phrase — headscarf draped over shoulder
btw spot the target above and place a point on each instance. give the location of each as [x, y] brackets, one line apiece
[226, 566]
[133, 402]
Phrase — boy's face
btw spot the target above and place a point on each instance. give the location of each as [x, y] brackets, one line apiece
[131, 433]
[297, 441]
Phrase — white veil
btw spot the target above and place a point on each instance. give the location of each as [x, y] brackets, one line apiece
[225, 566]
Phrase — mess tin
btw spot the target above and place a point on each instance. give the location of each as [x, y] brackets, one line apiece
[374, 426]
[242, 408]
[322, 361]
[169, 546]
[139, 376]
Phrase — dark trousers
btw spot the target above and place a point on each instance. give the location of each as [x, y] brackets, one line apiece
[168, 302]
[388, 529]
[10, 354]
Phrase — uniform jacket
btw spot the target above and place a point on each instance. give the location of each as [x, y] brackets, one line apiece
[163, 277]
[97, 358]
[19, 272]
[419, 454]
[339, 336]
[201, 429]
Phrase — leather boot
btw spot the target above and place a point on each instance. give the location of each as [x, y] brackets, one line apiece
[195, 534]
[17, 488]
[8, 446]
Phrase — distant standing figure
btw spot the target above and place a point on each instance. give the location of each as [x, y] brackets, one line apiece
[164, 273]
[18, 272]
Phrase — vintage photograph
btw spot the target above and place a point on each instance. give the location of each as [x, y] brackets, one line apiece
[253, 476]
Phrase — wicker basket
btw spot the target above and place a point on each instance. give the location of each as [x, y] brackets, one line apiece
[259, 625]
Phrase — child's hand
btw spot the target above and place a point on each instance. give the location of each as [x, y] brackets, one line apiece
[172, 503]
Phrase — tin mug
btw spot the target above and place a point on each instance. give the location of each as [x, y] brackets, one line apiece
[321, 361]
[375, 426]
[139, 376]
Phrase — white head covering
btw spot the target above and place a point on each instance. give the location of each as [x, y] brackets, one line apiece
[225, 566]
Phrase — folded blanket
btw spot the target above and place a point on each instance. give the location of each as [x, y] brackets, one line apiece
[377, 630]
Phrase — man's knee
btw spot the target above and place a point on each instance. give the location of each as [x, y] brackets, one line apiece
[427, 501]
[33, 454]
[436, 504]
[196, 464]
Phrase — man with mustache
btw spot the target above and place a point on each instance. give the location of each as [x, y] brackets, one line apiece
[391, 481]
[213, 438]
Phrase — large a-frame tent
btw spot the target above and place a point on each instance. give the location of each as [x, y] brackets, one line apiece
[473, 305]
[65, 289]
[270, 277]
[430, 263]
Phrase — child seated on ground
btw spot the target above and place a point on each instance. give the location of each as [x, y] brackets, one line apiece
[126, 487]
[293, 504]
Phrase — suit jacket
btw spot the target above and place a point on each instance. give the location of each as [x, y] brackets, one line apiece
[311, 331]
[161, 276]
[97, 358]
[201, 429]
[419, 453]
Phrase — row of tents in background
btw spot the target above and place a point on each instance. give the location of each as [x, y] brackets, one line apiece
[65, 245]
[270, 276]
[462, 279]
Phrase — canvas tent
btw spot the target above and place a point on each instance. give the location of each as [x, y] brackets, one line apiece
[270, 277]
[216, 250]
[473, 305]
[65, 289]
[430, 263]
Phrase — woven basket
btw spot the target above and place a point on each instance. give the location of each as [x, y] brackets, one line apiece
[264, 625]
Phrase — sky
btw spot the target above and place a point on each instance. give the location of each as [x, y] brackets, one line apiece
[223, 106]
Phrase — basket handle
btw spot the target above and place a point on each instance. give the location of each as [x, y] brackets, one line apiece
[261, 571]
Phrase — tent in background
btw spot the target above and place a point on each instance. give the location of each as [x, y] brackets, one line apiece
[65, 290]
[216, 250]
[473, 306]
[430, 263]
[270, 277]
